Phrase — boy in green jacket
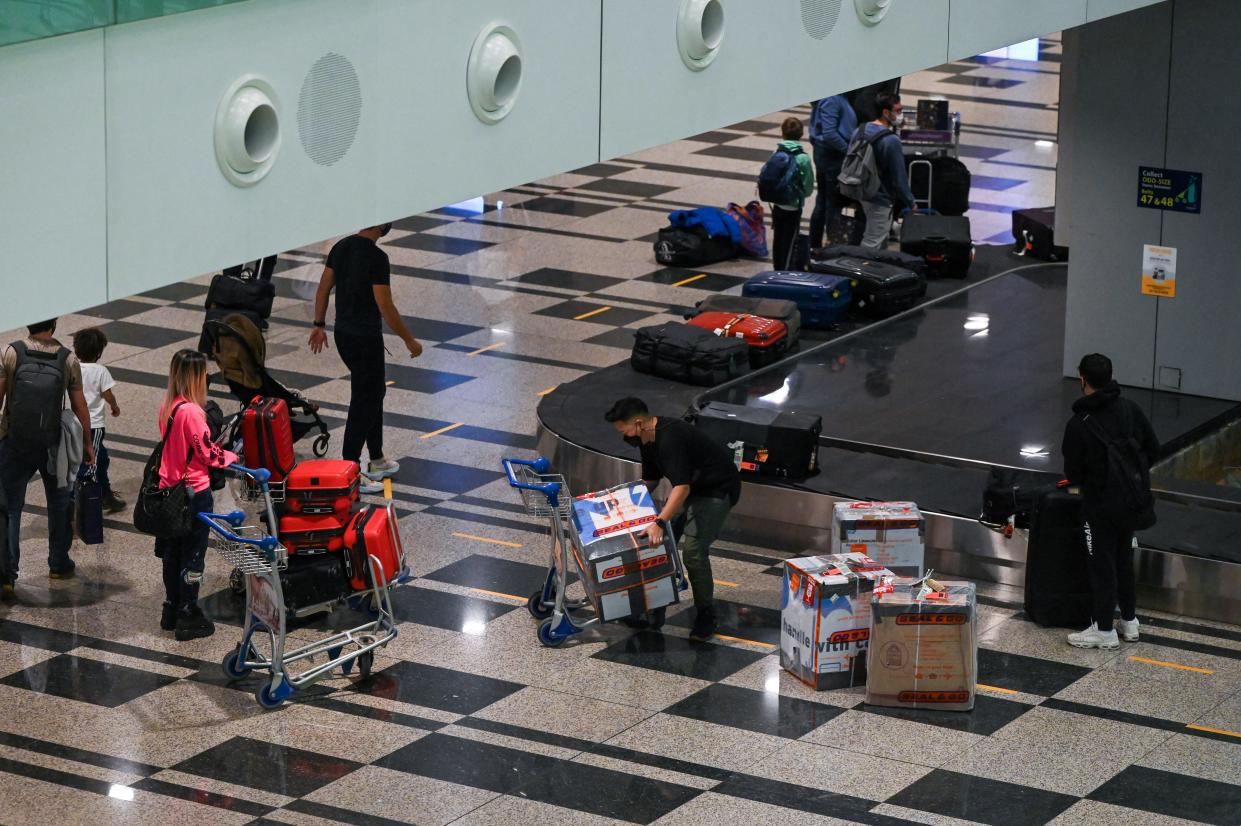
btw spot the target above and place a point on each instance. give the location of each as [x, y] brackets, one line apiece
[786, 217]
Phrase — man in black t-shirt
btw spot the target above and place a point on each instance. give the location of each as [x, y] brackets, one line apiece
[359, 272]
[705, 486]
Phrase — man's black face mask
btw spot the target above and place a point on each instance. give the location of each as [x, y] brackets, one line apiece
[635, 441]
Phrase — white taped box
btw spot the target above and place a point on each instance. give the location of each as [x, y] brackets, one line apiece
[825, 618]
[891, 533]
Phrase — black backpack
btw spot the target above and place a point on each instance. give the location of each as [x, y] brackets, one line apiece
[1126, 491]
[37, 397]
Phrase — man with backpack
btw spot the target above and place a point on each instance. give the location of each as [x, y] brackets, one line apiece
[38, 373]
[1108, 449]
[832, 124]
[785, 181]
[874, 170]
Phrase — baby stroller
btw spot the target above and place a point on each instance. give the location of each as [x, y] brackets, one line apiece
[239, 350]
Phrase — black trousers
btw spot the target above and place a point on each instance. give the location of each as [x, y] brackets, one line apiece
[184, 557]
[785, 225]
[364, 356]
[1112, 576]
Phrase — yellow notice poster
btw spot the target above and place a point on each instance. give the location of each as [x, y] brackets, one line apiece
[1159, 271]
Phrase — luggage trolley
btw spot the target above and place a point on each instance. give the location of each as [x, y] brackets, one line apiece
[546, 494]
[260, 557]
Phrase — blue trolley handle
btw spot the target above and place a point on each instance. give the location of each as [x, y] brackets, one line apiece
[258, 474]
[549, 489]
[234, 519]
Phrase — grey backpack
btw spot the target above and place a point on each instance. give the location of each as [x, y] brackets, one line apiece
[859, 175]
[37, 396]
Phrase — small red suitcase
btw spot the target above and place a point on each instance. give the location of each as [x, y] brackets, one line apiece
[309, 534]
[323, 486]
[267, 436]
[767, 337]
[373, 532]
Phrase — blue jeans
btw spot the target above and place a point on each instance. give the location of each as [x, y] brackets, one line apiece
[16, 470]
[97, 435]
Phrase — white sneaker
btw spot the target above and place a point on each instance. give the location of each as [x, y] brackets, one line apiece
[370, 486]
[382, 469]
[1092, 637]
[1128, 629]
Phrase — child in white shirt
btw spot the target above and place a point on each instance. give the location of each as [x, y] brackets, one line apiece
[97, 384]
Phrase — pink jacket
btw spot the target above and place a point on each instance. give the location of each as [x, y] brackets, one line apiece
[189, 451]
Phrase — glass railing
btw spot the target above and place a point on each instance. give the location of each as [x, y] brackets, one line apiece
[22, 20]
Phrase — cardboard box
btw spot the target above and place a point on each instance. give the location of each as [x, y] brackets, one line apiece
[923, 646]
[622, 575]
[888, 532]
[825, 618]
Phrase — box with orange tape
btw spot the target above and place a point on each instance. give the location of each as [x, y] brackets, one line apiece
[825, 618]
[888, 532]
[923, 646]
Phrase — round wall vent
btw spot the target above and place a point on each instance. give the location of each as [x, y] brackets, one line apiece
[493, 77]
[247, 130]
[329, 109]
[819, 17]
[700, 31]
[871, 11]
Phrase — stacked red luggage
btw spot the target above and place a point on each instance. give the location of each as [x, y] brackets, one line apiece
[768, 338]
[323, 486]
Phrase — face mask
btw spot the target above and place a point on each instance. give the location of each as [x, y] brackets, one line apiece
[897, 121]
[633, 441]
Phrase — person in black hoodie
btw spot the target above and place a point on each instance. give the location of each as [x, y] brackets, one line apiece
[1109, 528]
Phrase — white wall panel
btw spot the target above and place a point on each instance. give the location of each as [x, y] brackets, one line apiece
[766, 61]
[1099, 9]
[52, 207]
[982, 25]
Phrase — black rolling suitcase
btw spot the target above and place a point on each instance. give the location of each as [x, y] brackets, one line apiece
[778, 443]
[1057, 591]
[879, 289]
[1034, 230]
[886, 256]
[684, 353]
[776, 308]
[942, 240]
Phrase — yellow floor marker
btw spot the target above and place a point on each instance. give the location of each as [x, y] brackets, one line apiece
[1177, 666]
[766, 645]
[691, 279]
[997, 688]
[498, 594]
[1222, 731]
[542, 393]
[387, 487]
[591, 313]
[726, 583]
[441, 430]
[488, 540]
[390, 382]
[485, 349]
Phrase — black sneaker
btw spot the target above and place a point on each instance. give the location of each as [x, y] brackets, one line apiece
[657, 618]
[193, 626]
[168, 617]
[113, 503]
[636, 621]
[704, 625]
[65, 573]
[7, 592]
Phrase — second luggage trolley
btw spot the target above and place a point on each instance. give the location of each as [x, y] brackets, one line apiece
[546, 494]
[260, 558]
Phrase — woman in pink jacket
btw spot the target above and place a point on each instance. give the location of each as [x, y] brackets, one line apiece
[188, 455]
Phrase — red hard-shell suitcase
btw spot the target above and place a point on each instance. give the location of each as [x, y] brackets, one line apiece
[374, 532]
[768, 338]
[267, 437]
[310, 534]
[322, 486]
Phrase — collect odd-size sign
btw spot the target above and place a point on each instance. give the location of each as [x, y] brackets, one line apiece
[1174, 190]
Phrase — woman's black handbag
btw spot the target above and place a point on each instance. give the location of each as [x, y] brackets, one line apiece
[163, 513]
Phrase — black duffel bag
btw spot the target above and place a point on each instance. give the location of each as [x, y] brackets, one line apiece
[235, 290]
[950, 186]
[684, 353]
[692, 247]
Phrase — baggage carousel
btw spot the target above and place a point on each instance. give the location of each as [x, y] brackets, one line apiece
[920, 407]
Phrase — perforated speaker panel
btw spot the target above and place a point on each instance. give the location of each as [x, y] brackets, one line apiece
[819, 17]
[329, 109]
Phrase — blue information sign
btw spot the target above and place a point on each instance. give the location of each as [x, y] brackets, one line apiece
[1169, 189]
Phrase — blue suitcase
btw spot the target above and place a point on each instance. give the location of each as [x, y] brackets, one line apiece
[822, 299]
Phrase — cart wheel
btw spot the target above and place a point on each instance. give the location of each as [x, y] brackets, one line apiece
[320, 445]
[365, 661]
[547, 636]
[266, 698]
[237, 582]
[233, 668]
[536, 607]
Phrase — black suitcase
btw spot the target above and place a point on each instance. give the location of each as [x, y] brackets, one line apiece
[777, 443]
[684, 353]
[879, 289]
[312, 580]
[1034, 230]
[1057, 590]
[886, 256]
[1012, 493]
[942, 240]
[950, 186]
[776, 308]
[692, 247]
